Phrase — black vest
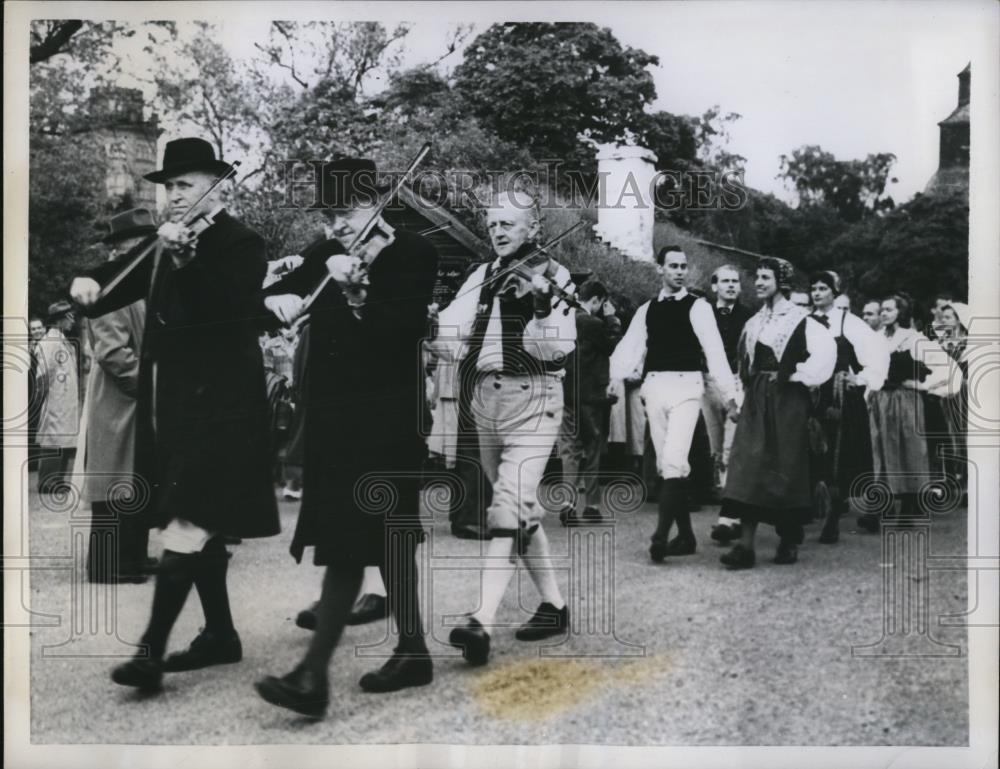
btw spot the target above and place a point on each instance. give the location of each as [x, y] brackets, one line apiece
[671, 344]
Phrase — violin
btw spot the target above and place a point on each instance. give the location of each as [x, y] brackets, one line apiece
[518, 283]
[367, 243]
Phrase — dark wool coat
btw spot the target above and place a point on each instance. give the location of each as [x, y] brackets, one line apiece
[208, 460]
[364, 400]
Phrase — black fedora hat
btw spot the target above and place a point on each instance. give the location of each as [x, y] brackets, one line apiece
[128, 224]
[347, 182]
[183, 155]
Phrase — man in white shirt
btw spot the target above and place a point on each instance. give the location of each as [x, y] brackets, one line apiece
[664, 346]
[512, 339]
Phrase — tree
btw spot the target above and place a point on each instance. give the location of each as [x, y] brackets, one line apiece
[550, 87]
[854, 188]
[921, 247]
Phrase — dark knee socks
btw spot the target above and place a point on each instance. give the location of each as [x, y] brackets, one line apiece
[210, 581]
[340, 589]
[173, 583]
[673, 508]
[400, 578]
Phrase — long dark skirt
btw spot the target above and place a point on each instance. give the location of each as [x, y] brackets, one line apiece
[849, 444]
[899, 442]
[768, 478]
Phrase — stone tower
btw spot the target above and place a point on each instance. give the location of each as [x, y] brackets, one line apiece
[953, 157]
[129, 142]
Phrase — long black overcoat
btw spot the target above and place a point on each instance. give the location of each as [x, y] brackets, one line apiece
[207, 458]
[364, 440]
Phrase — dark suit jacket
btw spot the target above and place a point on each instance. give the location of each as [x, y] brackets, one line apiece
[208, 460]
[587, 366]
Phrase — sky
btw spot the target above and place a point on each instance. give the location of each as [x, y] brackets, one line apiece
[853, 77]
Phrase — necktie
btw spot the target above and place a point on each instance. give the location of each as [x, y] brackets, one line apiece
[823, 319]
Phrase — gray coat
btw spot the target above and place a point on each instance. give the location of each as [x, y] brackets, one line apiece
[112, 387]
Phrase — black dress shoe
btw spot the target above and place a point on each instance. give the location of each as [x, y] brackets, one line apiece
[681, 546]
[369, 607]
[468, 531]
[301, 690]
[474, 642]
[306, 619]
[546, 621]
[205, 650]
[399, 672]
[144, 674]
[739, 558]
[786, 554]
[658, 551]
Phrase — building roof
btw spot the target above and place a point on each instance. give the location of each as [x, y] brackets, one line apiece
[439, 216]
[959, 117]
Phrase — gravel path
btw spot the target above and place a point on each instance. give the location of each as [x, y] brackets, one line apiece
[698, 655]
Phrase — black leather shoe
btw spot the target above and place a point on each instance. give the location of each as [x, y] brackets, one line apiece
[474, 642]
[681, 546]
[205, 650]
[369, 607]
[399, 672]
[301, 690]
[144, 674]
[739, 558]
[658, 551]
[306, 619]
[786, 554]
[546, 621]
[468, 531]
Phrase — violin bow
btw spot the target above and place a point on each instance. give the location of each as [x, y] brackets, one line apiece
[524, 260]
[124, 273]
[363, 233]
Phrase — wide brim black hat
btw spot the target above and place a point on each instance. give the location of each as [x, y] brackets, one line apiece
[182, 156]
[347, 182]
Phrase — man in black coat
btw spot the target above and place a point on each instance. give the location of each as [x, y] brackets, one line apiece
[363, 445]
[202, 453]
[587, 406]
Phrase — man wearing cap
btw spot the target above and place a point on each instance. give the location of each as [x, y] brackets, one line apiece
[202, 429]
[862, 366]
[363, 445]
[665, 345]
[510, 340]
[118, 541]
[57, 384]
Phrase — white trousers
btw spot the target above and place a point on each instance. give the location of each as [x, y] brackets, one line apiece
[673, 402]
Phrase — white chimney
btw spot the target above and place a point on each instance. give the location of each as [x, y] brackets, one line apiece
[626, 205]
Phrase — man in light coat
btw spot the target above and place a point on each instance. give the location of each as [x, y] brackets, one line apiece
[118, 542]
[56, 382]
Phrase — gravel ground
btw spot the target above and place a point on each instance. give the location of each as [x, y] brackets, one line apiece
[698, 655]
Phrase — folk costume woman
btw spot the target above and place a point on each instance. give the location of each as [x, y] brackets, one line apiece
[783, 353]
[862, 363]
[917, 366]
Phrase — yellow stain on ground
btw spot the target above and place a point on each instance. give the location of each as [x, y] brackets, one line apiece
[540, 688]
